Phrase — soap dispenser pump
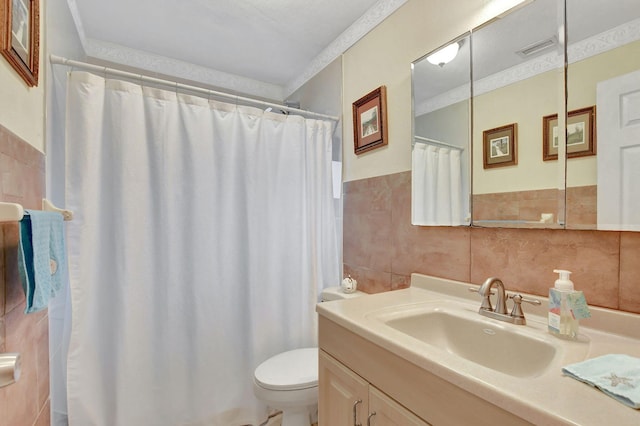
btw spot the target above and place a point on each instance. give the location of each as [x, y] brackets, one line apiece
[566, 307]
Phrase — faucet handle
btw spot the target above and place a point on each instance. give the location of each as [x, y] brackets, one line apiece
[477, 290]
[517, 301]
[486, 303]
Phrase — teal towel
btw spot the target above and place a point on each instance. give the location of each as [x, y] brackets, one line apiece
[616, 375]
[41, 257]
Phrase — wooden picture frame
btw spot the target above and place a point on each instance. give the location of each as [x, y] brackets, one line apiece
[500, 146]
[581, 134]
[370, 121]
[20, 37]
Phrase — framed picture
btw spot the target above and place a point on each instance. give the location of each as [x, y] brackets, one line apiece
[581, 134]
[20, 37]
[500, 146]
[370, 121]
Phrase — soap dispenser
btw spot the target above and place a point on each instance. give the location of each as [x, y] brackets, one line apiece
[566, 307]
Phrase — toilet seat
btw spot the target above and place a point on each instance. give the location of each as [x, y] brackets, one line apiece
[292, 370]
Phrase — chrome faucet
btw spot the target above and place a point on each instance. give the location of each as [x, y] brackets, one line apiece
[500, 312]
[485, 292]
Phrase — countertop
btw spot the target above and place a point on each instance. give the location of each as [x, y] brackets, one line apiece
[549, 398]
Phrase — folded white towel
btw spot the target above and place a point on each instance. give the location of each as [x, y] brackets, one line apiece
[616, 375]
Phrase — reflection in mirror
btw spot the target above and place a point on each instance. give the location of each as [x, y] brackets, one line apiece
[440, 179]
[518, 78]
[603, 52]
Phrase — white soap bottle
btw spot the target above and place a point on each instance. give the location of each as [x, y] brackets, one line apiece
[562, 321]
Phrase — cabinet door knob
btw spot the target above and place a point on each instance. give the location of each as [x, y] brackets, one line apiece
[355, 413]
[369, 418]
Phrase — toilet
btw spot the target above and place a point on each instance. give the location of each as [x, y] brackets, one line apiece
[289, 381]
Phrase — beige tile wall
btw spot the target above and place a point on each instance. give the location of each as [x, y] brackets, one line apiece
[382, 249]
[22, 180]
[530, 205]
[521, 205]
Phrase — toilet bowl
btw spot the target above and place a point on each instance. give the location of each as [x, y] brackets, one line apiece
[289, 381]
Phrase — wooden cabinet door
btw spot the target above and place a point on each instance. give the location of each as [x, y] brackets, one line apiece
[339, 391]
[389, 413]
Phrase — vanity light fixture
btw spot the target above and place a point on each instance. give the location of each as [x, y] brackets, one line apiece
[444, 55]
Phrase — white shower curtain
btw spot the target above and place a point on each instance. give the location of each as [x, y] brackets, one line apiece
[436, 186]
[203, 232]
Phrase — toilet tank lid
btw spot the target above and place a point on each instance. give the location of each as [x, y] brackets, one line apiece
[296, 369]
[336, 293]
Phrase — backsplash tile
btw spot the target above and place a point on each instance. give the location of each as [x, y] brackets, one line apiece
[438, 251]
[629, 271]
[525, 259]
[604, 264]
[368, 219]
[582, 206]
[372, 280]
[435, 251]
[521, 205]
[2, 334]
[400, 281]
[22, 180]
[14, 295]
[44, 417]
[2, 280]
[21, 336]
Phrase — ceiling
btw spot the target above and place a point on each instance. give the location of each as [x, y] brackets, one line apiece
[263, 48]
[495, 47]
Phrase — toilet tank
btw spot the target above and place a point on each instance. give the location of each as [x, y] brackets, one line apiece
[336, 293]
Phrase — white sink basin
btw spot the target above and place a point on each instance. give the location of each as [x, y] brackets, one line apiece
[507, 348]
[435, 325]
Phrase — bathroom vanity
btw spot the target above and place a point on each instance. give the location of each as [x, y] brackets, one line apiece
[424, 355]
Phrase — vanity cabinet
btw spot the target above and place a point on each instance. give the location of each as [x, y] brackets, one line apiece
[384, 411]
[353, 368]
[342, 394]
[346, 399]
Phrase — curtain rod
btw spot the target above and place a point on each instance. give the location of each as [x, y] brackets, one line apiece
[91, 67]
[436, 142]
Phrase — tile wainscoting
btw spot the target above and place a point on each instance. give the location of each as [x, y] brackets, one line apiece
[531, 205]
[382, 249]
[22, 180]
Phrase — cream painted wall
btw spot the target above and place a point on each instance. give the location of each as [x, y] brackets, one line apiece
[383, 57]
[582, 77]
[22, 107]
[323, 94]
[524, 103]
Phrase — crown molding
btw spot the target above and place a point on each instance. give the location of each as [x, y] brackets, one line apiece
[372, 18]
[608, 40]
[133, 58]
[138, 59]
[459, 94]
[592, 46]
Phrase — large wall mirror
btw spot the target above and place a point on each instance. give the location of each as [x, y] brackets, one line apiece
[603, 77]
[440, 176]
[518, 78]
[538, 159]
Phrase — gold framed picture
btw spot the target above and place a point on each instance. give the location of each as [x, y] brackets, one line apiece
[20, 37]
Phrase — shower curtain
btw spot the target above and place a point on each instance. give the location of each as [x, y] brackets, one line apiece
[436, 186]
[203, 232]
